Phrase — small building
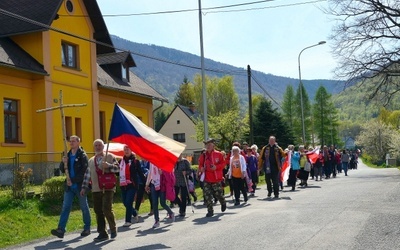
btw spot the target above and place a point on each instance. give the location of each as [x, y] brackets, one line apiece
[180, 126]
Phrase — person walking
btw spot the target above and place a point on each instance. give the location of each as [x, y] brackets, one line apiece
[345, 161]
[141, 180]
[181, 170]
[101, 174]
[270, 161]
[237, 173]
[294, 167]
[211, 164]
[252, 168]
[76, 162]
[130, 169]
[160, 184]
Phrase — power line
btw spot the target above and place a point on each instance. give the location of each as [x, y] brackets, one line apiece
[207, 9]
[25, 19]
[266, 7]
[265, 91]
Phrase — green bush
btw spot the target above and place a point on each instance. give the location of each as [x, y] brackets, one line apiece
[53, 189]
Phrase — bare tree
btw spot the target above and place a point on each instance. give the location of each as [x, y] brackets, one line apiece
[366, 41]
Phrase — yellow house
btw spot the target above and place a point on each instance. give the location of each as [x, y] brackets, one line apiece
[49, 46]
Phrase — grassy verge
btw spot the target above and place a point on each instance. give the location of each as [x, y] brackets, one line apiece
[26, 220]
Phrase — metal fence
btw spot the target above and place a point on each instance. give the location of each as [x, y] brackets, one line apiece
[7, 167]
[43, 165]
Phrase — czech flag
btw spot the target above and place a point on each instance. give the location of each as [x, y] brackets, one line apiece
[313, 155]
[286, 167]
[156, 148]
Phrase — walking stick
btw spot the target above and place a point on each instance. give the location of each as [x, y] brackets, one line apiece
[191, 204]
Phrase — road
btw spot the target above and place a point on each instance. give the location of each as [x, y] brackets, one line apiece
[359, 211]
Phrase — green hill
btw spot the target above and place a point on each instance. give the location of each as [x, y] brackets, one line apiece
[166, 77]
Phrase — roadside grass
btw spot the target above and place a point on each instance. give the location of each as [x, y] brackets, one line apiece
[31, 219]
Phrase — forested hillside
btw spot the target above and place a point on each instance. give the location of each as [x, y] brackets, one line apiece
[166, 77]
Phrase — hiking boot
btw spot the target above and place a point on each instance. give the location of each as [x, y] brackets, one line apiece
[101, 237]
[151, 213]
[172, 217]
[85, 233]
[276, 197]
[210, 214]
[223, 207]
[127, 224]
[237, 203]
[136, 218]
[156, 224]
[182, 215]
[58, 232]
[113, 235]
[269, 194]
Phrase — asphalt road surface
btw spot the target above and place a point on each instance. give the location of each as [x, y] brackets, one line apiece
[359, 211]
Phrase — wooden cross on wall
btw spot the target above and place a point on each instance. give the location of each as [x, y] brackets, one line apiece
[64, 129]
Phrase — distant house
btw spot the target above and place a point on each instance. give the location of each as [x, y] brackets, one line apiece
[180, 126]
[349, 143]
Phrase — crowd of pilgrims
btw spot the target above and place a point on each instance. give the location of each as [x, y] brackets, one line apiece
[240, 171]
[237, 171]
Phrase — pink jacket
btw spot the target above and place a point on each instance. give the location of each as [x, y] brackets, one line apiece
[168, 185]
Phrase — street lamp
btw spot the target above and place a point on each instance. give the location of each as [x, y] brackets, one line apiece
[301, 90]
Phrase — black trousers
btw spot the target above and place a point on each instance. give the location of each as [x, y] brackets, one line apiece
[272, 180]
[181, 195]
[139, 197]
[238, 186]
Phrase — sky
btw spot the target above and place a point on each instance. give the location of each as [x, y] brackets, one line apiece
[268, 36]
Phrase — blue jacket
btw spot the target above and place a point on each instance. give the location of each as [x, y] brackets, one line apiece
[295, 161]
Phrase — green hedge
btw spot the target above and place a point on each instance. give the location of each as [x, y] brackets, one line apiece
[53, 189]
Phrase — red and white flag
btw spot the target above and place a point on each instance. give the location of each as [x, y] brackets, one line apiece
[286, 167]
[313, 155]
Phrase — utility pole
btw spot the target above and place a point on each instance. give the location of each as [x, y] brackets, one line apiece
[203, 81]
[250, 105]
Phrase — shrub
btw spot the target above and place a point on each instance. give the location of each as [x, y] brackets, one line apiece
[21, 179]
[53, 188]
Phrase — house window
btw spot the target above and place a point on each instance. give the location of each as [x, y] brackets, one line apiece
[178, 121]
[78, 127]
[69, 5]
[180, 137]
[125, 72]
[11, 121]
[69, 53]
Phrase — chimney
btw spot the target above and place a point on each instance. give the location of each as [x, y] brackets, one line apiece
[192, 107]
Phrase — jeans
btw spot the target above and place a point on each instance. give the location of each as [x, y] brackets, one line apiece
[182, 200]
[155, 194]
[128, 194]
[345, 167]
[102, 205]
[69, 196]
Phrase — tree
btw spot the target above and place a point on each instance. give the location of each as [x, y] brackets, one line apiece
[298, 126]
[366, 42]
[185, 94]
[375, 139]
[160, 119]
[325, 118]
[221, 95]
[226, 127]
[267, 122]
[288, 106]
